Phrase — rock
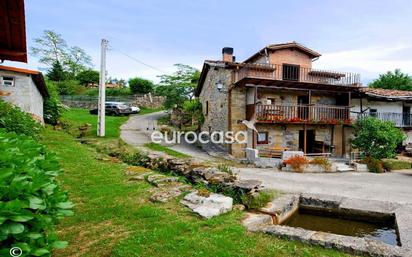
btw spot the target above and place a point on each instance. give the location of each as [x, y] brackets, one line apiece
[154, 177]
[287, 154]
[239, 207]
[248, 184]
[299, 234]
[164, 181]
[360, 167]
[282, 207]
[208, 207]
[135, 170]
[140, 177]
[165, 195]
[257, 221]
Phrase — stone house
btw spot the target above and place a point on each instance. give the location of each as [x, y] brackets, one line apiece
[23, 88]
[295, 107]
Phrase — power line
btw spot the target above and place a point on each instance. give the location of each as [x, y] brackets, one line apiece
[137, 60]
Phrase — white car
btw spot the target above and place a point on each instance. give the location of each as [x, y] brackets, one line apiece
[133, 109]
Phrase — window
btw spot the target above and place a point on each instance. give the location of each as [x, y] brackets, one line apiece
[207, 108]
[262, 138]
[290, 72]
[373, 112]
[7, 81]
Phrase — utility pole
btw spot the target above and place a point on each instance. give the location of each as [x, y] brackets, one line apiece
[101, 117]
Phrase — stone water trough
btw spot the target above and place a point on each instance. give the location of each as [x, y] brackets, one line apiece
[370, 228]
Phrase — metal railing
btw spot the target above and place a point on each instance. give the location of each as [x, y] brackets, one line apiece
[399, 119]
[303, 114]
[86, 98]
[295, 73]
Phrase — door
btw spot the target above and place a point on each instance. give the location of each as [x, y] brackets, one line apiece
[310, 140]
[303, 110]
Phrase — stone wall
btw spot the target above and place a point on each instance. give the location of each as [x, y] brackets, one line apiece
[238, 113]
[216, 102]
[145, 101]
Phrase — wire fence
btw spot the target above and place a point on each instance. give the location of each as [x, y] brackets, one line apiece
[87, 98]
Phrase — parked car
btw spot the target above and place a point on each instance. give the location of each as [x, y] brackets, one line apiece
[117, 108]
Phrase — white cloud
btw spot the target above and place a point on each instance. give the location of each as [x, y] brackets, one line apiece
[369, 62]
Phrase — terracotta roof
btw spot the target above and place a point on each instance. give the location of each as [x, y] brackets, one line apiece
[293, 45]
[386, 93]
[37, 77]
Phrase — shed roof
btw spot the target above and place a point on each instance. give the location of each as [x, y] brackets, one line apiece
[386, 93]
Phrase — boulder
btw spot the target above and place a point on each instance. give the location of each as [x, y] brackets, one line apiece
[208, 207]
[257, 221]
[165, 195]
[248, 184]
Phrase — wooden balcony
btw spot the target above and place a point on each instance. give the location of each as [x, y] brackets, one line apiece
[400, 120]
[296, 74]
[310, 114]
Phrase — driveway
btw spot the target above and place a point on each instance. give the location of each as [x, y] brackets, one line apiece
[138, 129]
[392, 187]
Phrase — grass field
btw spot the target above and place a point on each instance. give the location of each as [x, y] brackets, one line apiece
[113, 216]
[165, 149]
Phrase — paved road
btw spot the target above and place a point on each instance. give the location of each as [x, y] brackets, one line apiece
[393, 187]
[138, 129]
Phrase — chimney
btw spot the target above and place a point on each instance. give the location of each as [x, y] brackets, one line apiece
[227, 53]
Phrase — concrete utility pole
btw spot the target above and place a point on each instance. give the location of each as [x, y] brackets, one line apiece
[102, 92]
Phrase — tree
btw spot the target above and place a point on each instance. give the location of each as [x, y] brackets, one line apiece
[52, 107]
[393, 80]
[56, 73]
[50, 48]
[193, 108]
[140, 86]
[180, 86]
[77, 60]
[376, 138]
[87, 77]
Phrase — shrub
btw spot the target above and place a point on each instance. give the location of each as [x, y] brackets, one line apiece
[374, 165]
[392, 164]
[140, 86]
[12, 119]
[257, 200]
[52, 108]
[322, 161]
[297, 162]
[31, 201]
[376, 138]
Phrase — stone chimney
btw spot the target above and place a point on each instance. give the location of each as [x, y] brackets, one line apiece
[227, 54]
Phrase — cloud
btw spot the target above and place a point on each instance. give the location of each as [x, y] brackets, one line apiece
[369, 62]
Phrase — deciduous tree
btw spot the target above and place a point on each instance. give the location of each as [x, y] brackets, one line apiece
[393, 80]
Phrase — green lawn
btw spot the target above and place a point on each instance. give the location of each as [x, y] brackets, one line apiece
[78, 116]
[113, 216]
[165, 149]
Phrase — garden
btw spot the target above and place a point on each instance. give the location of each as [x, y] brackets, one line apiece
[75, 200]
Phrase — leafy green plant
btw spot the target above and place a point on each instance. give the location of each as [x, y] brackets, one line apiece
[377, 138]
[393, 164]
[13, 119]
[374, 165]
[256, 200]
[31, 201]
[225, 168]
[52, 108]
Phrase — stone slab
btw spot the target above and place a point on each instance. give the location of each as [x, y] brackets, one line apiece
[257, 221]
[208, 207]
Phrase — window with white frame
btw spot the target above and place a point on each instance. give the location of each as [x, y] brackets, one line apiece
[7, 81]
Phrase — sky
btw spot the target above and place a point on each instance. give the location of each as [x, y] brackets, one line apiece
[366, 37]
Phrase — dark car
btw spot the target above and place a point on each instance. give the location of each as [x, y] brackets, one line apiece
[115, 108]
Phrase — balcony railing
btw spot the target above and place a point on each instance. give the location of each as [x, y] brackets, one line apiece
[321, 114]
[295, 73]
[399, 119]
